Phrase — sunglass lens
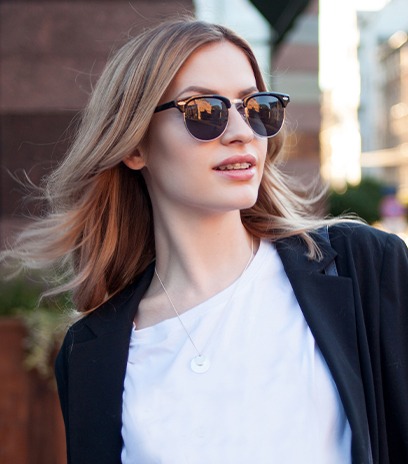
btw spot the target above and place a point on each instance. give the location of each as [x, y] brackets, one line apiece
[265, 114]
[206, 118]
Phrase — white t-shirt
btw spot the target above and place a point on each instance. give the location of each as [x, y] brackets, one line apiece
[268, 396]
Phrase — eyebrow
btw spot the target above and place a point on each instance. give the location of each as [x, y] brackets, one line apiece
[206, 91]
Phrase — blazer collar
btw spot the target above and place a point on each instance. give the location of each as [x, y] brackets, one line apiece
[97, 364]
[293, 252]
[119, 312]
[327, 303]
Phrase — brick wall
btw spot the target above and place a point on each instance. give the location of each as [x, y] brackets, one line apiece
[51, 52]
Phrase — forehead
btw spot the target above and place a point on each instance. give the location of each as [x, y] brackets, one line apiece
[221, 67]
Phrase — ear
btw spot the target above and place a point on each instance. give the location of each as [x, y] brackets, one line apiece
[135, 161]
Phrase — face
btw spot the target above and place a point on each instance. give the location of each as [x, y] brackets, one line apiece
[186, 174]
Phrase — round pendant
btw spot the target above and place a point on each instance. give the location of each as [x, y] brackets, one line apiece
[200, 364]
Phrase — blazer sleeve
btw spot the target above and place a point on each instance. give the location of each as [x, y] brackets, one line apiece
[394, 345]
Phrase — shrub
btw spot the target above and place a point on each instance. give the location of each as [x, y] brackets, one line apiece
[44, 319]
[363, 200]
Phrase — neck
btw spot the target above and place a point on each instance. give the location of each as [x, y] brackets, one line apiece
[199, 258]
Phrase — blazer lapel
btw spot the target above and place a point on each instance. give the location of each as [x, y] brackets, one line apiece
[98, 366]
[327, 303]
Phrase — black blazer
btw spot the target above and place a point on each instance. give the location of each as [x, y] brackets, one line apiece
[359, 320]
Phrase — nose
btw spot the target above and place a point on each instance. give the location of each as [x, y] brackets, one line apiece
[238, 129]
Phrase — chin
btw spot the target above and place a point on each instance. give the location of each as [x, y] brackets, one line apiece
[247, 203]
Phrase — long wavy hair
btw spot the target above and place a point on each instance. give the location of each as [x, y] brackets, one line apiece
[97, 232]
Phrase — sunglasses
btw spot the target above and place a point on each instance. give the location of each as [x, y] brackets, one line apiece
[206, 116]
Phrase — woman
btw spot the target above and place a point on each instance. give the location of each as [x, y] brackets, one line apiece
[215, 328]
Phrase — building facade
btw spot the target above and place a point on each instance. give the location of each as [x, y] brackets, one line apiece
[295, 70]
[383, 112]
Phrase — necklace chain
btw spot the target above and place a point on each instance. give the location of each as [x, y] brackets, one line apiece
[177, 313]
[200, 363]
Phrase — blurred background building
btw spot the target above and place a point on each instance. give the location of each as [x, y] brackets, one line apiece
[383, 112]
[364, 84]
[340, 87]
[51, 54]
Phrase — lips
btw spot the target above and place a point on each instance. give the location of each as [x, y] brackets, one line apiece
[237, 163]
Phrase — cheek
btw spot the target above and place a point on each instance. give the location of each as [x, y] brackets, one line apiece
[263, 151]
[166, 153]
[167, 125]
[168, 139]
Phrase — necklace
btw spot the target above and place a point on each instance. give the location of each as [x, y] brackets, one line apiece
[200, 363]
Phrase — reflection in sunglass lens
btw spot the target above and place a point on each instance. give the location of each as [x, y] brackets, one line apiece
[265, 114]
[206, 118]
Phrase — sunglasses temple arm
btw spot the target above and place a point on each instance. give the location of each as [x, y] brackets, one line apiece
[166, 106]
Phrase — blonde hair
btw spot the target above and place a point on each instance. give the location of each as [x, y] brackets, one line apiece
[98, 228]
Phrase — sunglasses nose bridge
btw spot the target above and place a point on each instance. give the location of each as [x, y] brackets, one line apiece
[240, 107]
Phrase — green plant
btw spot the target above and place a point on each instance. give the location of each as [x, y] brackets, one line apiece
[363, 199]
[44, 319]
[18, 295]
[45, 329]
